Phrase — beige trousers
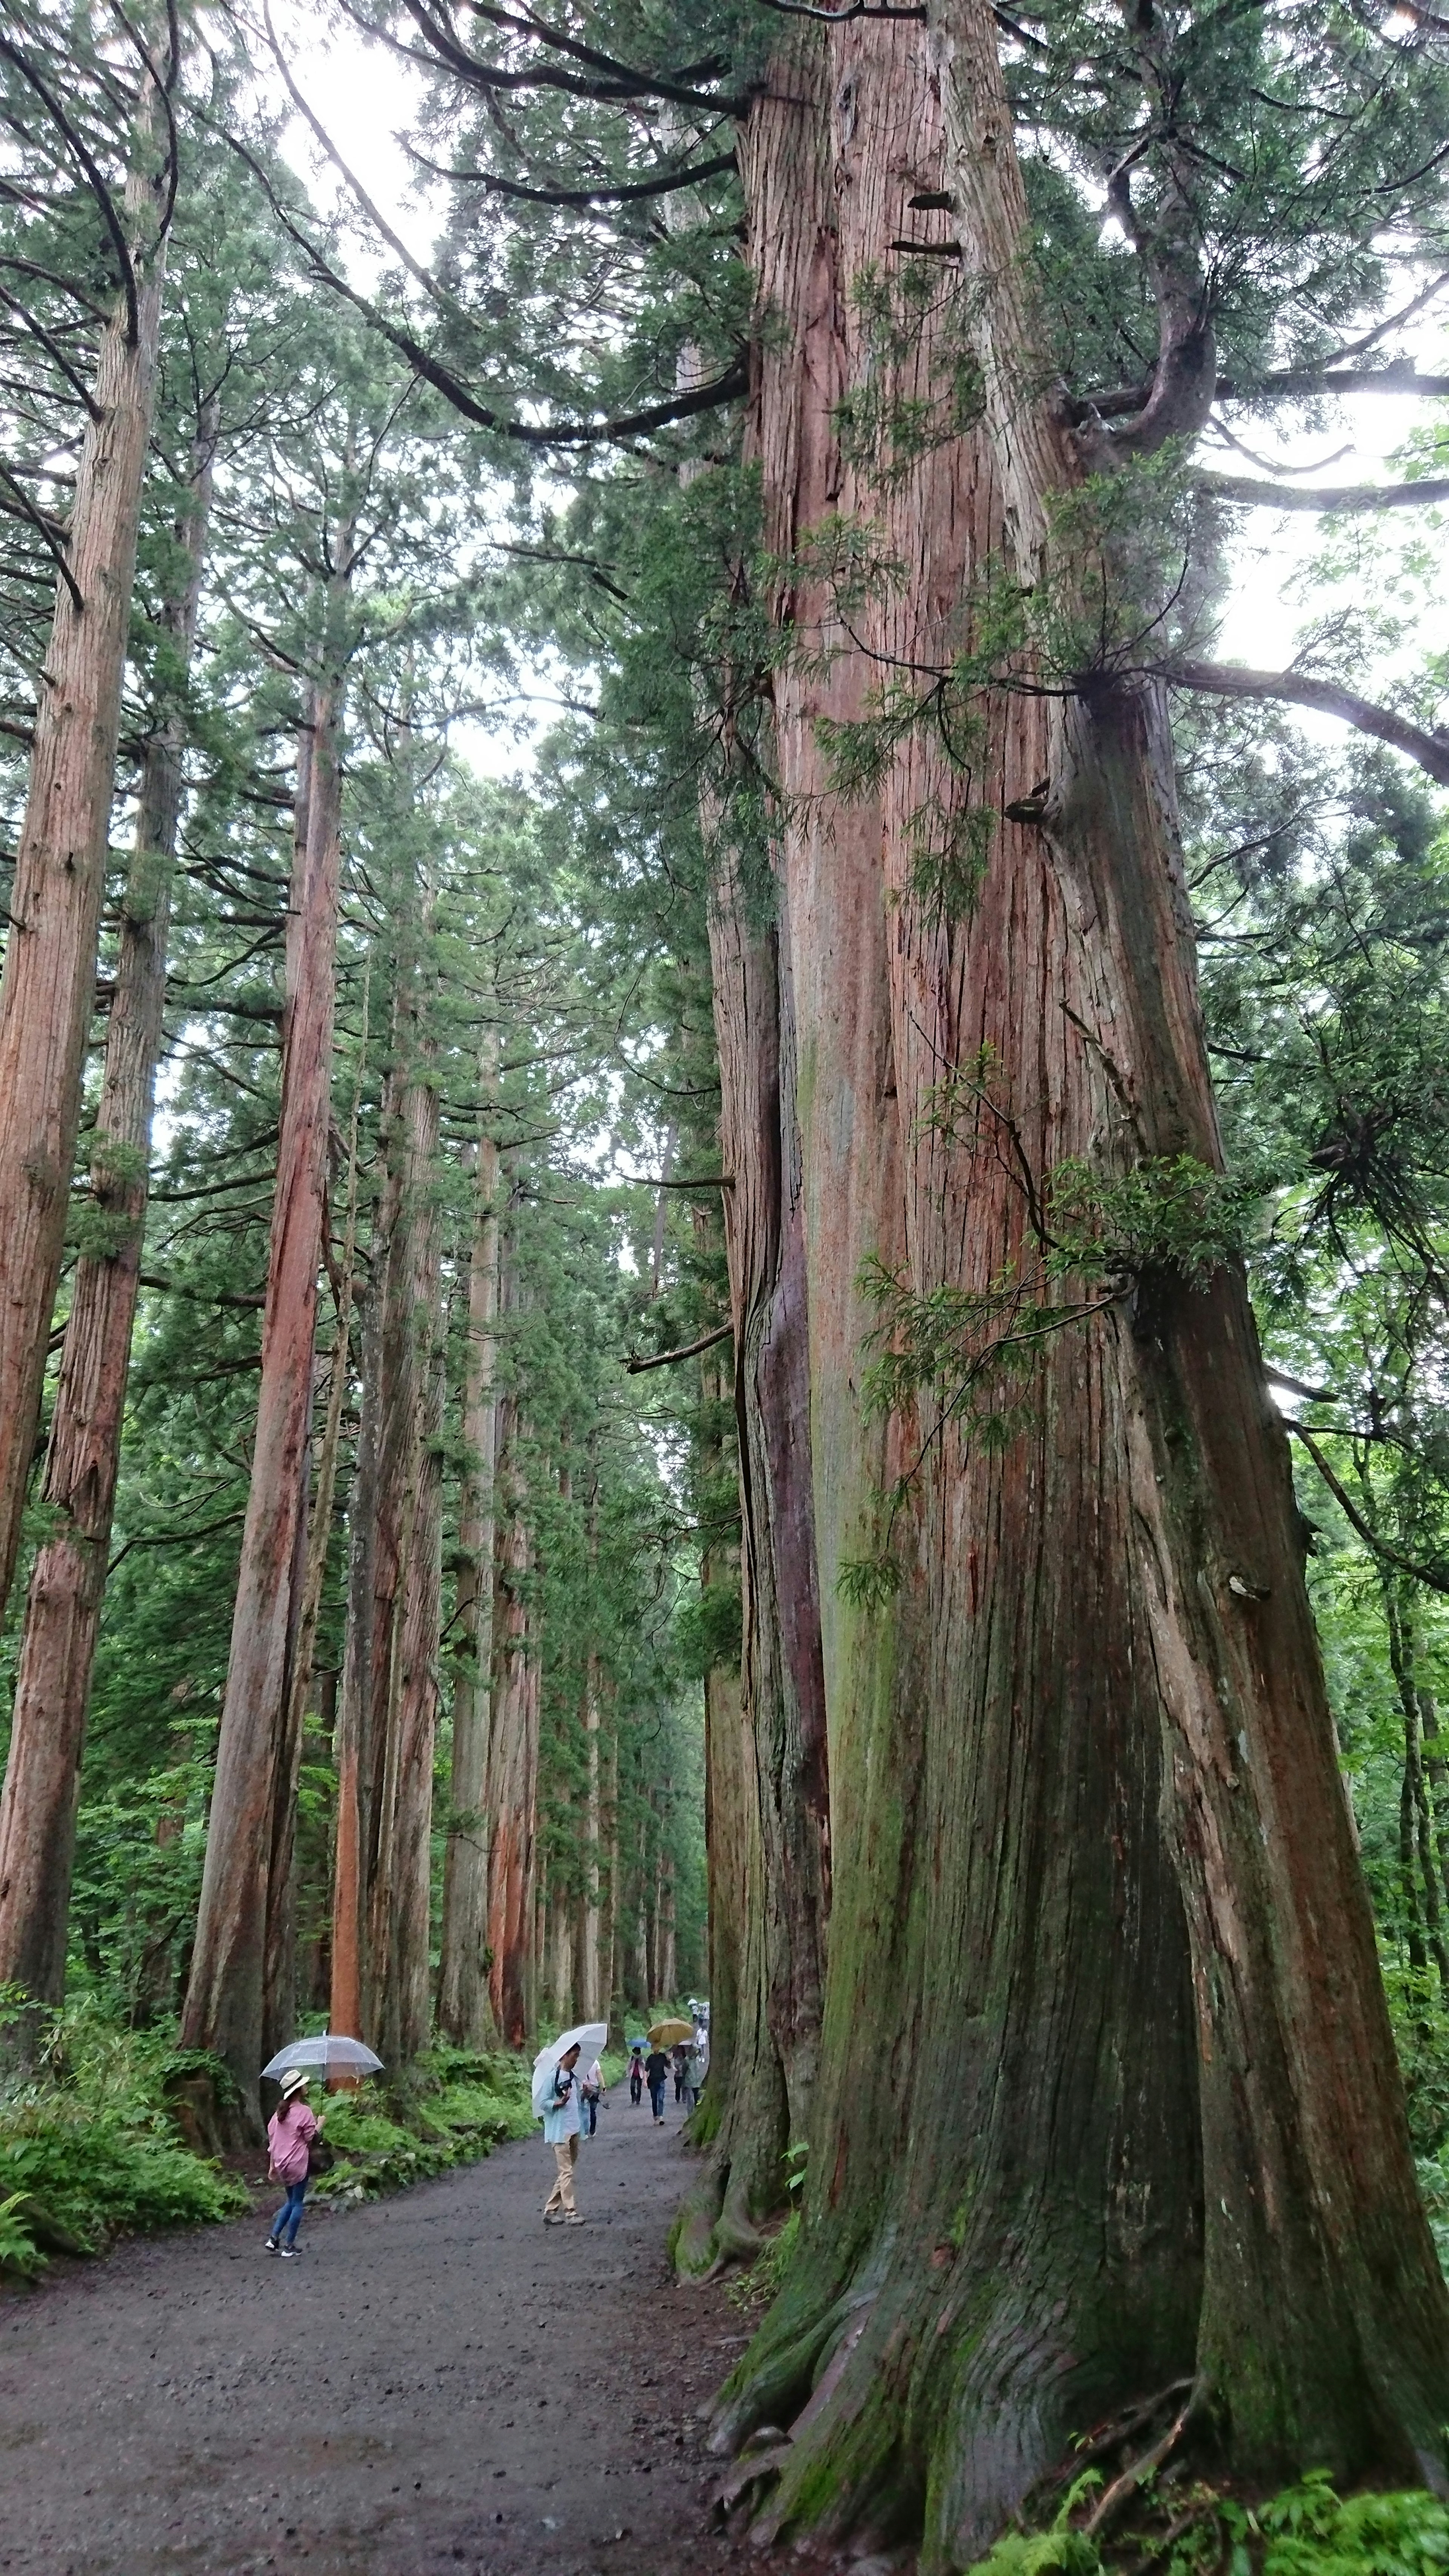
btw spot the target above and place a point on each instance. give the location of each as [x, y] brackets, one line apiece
[566, 2153]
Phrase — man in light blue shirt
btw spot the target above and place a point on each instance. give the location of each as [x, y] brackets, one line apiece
[556, 2103]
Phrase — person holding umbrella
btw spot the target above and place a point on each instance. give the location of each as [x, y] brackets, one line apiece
[556, 2091]
[291, 2133]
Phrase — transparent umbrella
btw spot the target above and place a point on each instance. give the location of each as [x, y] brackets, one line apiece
[588, 2037]
[329, 2049]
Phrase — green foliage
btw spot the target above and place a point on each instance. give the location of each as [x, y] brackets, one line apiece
[19, 2254]
[761, 2283]
[88, 2149]
[455, 2109]
[1307, 2530]
[708, 1632]
[1060, 2551]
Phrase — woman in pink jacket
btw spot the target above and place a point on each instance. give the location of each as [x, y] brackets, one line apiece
[291, 2131]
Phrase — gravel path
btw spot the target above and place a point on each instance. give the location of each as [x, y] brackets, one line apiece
[439, 2382]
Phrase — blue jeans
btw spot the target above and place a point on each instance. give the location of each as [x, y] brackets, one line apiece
[289, 2217]
[656, 2096]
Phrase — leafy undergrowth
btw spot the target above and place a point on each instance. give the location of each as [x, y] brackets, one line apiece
[1195, 2530]
[89, 2150]
[454, 2108]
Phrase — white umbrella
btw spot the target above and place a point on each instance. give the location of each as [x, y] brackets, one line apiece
[590, 2038]
[328, 2049]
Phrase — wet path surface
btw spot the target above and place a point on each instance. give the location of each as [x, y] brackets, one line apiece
[438, 2382]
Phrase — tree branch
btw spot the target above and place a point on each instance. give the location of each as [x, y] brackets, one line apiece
[1247, 492]
[1435, 1577]
[1291, 381]
[682, 406]
[666, 1359]
[664, 186]
[43, 526]
[1326, 697]
[94, 181]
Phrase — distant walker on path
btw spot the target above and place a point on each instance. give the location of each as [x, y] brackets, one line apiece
[656, 2072]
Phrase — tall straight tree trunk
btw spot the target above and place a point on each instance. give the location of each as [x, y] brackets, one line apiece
[1006, 2054]
[357, 1789]
[63, 1606]
[224, 2002]
[280, 1972]
[401, 1916]
[47, 992]
[512, 1789]
[464, 2011]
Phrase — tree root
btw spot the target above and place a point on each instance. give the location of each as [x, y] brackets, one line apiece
[1113, 2503]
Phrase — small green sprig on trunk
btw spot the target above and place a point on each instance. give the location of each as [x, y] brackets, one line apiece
[1096, 1238]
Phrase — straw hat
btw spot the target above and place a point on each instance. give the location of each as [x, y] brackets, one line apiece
[295, 2080]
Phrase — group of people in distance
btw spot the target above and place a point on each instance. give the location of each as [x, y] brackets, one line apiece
[655, 2070]
[567, 2101]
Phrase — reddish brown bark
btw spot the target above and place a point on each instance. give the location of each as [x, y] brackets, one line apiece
[248, 1838]
[1101, 1617]
[62, 1611]
[512, 1789]
[1324, 2333]
[1002, 2226]
[48, 989]
[398, 1924]
[464, 2011]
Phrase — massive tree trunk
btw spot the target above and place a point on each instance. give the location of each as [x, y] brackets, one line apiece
[1002, 2223]
[1098, 1617]
[464, 2012]
[1324, 2334]
[248, 1834]
[47, 992]
[63, 1606]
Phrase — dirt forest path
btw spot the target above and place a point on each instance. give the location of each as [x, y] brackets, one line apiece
[440, 2382]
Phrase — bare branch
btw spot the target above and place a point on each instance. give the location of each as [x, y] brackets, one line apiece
[1326, 697]
[666, 1359]
[1247, 493]
[1300, 383]
[665, 185]
[1436, 1577]
[43, 525]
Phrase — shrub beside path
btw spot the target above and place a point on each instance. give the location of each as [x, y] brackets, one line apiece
[439, 2383]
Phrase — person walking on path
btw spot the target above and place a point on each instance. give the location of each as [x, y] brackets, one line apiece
[291, 2132]
[636, 2076]
[594, 2093]
[556, 2103]
[656, 2075]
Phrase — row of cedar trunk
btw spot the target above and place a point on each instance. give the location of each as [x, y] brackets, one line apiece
[240, 2001]
[1035, 1905]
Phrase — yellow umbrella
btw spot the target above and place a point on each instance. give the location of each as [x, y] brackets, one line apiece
[665, 2033]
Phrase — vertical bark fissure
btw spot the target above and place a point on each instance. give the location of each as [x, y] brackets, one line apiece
[1324, 2331]
[225, 1997]
[48, 987]
[63, 1604]
[464, 2009]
